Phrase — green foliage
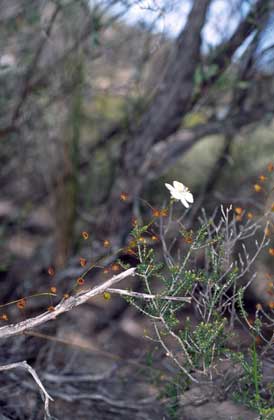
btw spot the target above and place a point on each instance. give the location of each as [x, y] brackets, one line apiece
[216, 296]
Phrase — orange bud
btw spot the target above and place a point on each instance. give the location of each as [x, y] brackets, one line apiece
[83, 262]
[238, 210]
[164, 213]
[249, 215]
[4, 317]
[271, 252]
[262, 178]
[115, 267]
[124, 196]
[142, 240]
[106, 243]
[130, 251]
[53, 289]
[257, 188]
[258, 340]
[85, 235]
[80, 281]
[21, 303]
[51, 308]
[154, 238]
[156, 213]
[106, 271]
[270, 167]
[271, 305]
[65, 295]
[51, 271]
[267, 231]
[259, 307]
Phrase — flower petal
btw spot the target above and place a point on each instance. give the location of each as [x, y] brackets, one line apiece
[184, 202]
[176, 194]
[189, 197]
[169, 187]
[179, 186]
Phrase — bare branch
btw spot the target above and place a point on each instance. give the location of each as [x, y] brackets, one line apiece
[46, 397]
[64, 306]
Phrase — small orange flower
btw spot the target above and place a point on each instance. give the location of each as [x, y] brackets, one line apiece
[85, 235]
[51, 271]
[4, 317]
[271, 305]
[21, 303]
[238, 210]
[142, 240]
[124, 196]
[164, 213]
[51, 308]
[156, 213]
[130, 251]
[115, 267]
[250, 215]
[83, 262]
[106, 243]
[65, 295]
[258, 340]
[259, 307]
[154, 238]
[80, 281]
[267, 231]
[107, 295]
[53, 289]
[270, 167]
[257, 188]
[271, 252]
[106, 270]
[262, 178]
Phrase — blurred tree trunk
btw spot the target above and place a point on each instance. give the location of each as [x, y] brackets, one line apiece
[66, 193]
[175, 97]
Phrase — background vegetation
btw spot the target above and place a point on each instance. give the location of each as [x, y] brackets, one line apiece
[101, 103]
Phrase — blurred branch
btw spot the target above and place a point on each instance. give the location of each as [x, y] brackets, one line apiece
[32, 67]
[166, 153]
[223, 54]
[46, 397]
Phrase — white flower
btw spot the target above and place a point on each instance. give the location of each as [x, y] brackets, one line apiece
[180, 192]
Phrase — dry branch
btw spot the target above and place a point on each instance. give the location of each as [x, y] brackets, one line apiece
[46, 397]
[64, 306]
